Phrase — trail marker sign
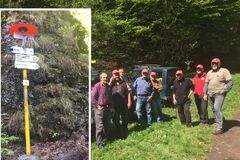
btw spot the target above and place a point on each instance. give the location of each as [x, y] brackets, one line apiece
[26, 65]
[25, 58]
[21, 50]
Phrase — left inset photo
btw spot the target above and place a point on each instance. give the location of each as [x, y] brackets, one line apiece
[44, 84]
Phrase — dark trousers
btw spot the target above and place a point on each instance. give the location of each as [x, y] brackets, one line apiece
[102, 125]
[120, 119]
[202, 108]
[184, 112]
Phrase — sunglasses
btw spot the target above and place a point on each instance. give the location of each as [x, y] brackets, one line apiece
[214, 63]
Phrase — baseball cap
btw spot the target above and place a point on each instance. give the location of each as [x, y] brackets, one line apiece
[153, 74]
[200, 67]
[215, 60]
[179, 72]
[115, 71]
[144, 70]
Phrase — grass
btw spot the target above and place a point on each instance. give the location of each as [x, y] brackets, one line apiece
[169, 140]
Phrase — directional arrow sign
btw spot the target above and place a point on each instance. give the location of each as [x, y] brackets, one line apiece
[20, 50]
[18, 36]
[26, 65]
[25, 58]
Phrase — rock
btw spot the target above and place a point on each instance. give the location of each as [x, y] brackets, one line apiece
[72, 155]
[31, 157]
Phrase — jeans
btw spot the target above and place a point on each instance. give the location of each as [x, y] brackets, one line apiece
[202, 108]
[216, 102]
[143, 108]
[156, 107]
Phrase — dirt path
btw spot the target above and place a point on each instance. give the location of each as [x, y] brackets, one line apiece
[227, 145]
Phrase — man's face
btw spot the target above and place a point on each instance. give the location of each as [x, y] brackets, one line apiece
[214, 65]
[199, 71]
[116, 76]
[104, 78]
[152, 77]
[144, 74]
[179, 76]
[121, 72]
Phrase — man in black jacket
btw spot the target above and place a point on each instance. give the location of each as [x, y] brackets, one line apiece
[119, 101]
[183, 88]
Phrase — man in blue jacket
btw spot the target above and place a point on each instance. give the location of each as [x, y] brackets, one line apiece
[143, 92]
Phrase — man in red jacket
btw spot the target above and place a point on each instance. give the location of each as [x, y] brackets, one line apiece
[198, 82]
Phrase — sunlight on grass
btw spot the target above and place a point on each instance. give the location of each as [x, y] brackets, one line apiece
[169, 140]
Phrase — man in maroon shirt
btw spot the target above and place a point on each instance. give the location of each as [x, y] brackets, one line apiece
[101, 99]
[198, 82]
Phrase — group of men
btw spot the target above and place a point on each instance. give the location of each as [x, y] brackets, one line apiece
[111, 99]
[115, 95]
[212, 86]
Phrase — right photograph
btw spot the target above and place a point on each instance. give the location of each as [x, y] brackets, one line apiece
[164, 80]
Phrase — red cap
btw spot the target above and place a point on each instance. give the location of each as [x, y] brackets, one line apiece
[179, 72]
[153, 74]
[215, 60]
[115, 71]
[144, 70]
[200, 67]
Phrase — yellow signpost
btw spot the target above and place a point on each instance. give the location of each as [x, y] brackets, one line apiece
[26, 114]
[24, 59]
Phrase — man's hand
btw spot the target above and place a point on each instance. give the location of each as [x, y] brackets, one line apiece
[205, 97]
[134, 98]
[99, 107]
[149, 99]
[111, 80]
[174, 101]
[222, 92]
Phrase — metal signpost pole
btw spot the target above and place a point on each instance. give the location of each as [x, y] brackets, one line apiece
[25, 59]
[26, 114]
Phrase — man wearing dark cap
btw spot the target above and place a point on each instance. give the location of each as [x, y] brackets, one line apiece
[182, 90]
[143, 92]
[198, 82]
[217, 84]
[119, 102]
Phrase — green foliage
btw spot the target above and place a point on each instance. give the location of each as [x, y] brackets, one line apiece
[170, 140]
[8, 139]
[5, 139]
[54, 134]
[7, 152]
[163, 32]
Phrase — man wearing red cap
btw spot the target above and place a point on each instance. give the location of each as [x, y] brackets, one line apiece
[119, 102]
[182, 90]
[129, 85]
[198, 82]
[156, 101]
[218, 82]
[143, 92]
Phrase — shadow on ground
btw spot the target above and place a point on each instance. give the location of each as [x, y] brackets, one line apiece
[228, 124]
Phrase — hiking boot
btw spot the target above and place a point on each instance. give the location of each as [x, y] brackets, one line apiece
[218, 131]
[100, 147]
[203, 123]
